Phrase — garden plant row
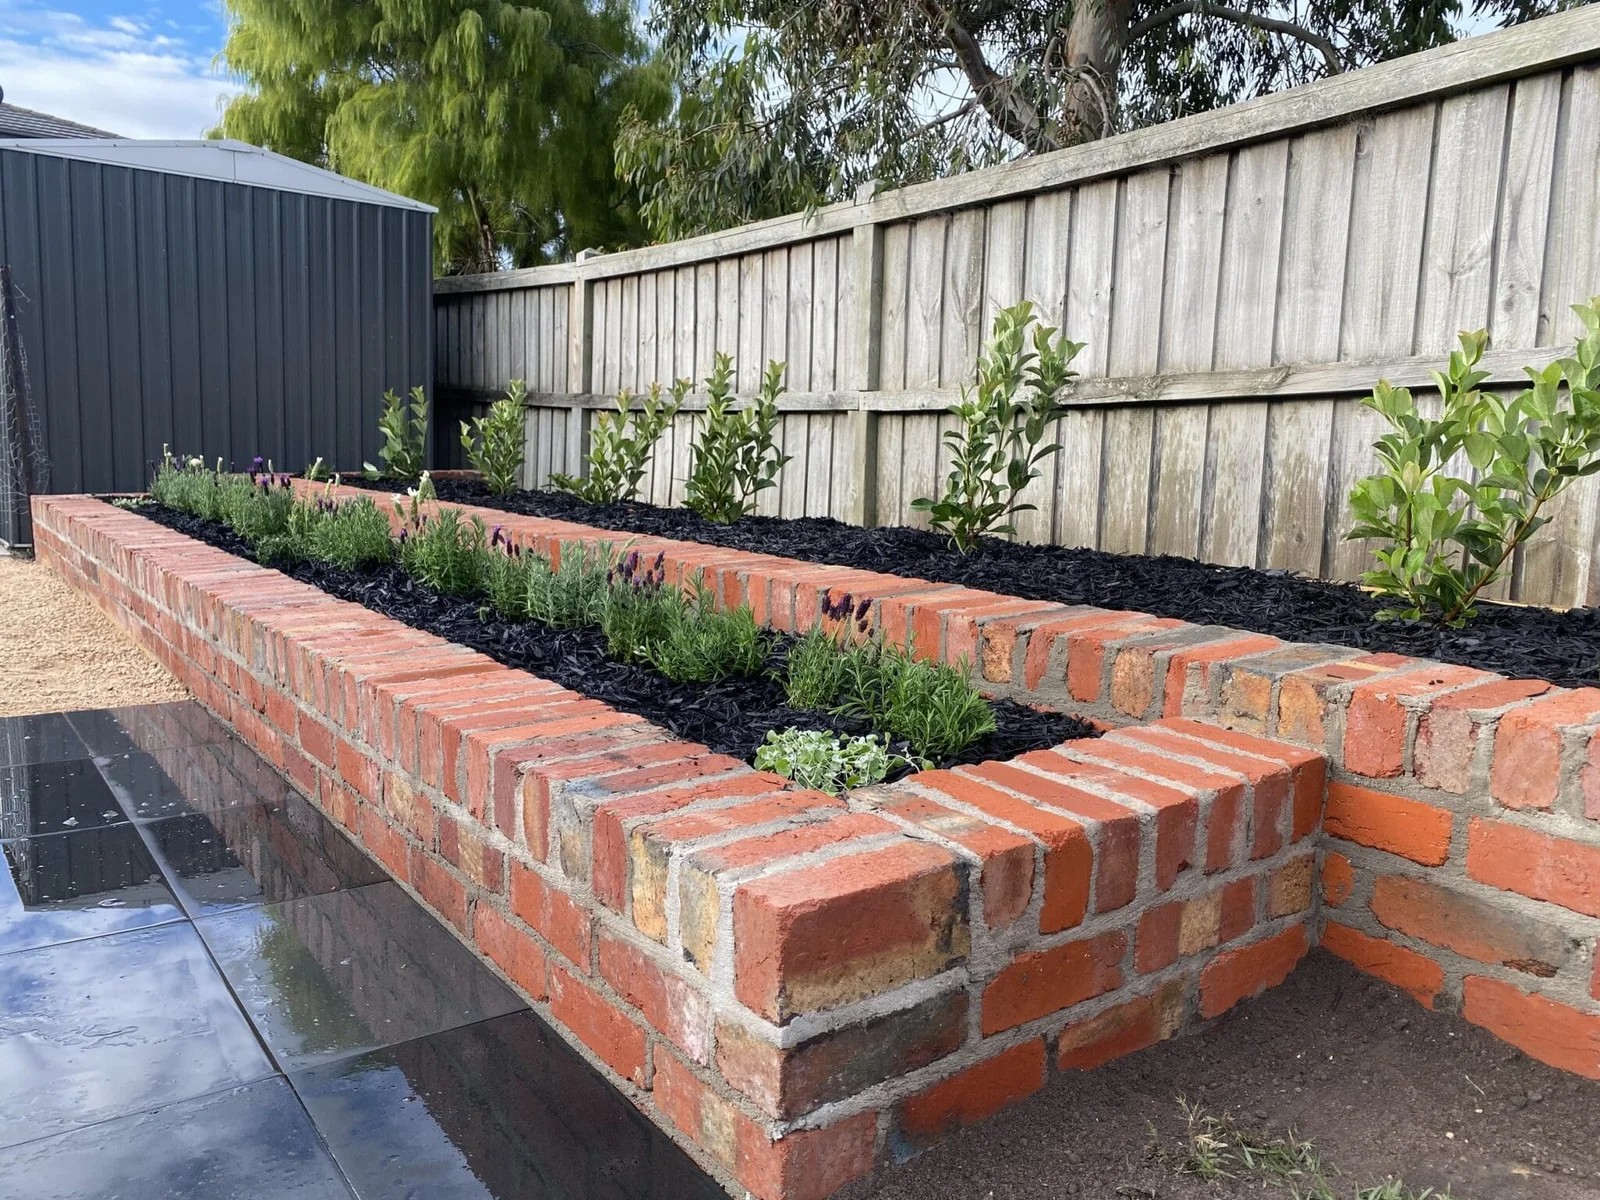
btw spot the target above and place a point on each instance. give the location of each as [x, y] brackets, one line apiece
[798, 985]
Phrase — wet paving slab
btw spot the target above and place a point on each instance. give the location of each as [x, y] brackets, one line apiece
[206, 990]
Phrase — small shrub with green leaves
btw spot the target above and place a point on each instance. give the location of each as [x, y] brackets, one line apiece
[405, 437]
[621, 443]
[998, 443]
[825, 762]
[736, 456]
[353, 535]
[703, 643]
[930, 706]
[494, 443]
[446, 552]
[318, 471]
[1444, 538]
[637, 608]
[817, 669]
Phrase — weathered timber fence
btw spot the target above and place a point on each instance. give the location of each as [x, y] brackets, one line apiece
[1241, 278]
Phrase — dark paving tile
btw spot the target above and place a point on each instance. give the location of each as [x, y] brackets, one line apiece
[55, 797]
[115, 1025]
[257, 853]
[48, 737]
[147, 727]
[192, 779]
[250, 1143]
[67, 886]
[347, 972]
[501, 1109]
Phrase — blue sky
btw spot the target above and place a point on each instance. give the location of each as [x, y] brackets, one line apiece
[138, 69]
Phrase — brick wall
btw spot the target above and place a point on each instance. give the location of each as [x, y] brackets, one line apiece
[797, 987]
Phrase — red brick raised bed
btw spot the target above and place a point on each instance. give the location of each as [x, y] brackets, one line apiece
[801, 987]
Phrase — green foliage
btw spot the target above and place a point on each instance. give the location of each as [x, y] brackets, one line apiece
[621, 443]
[318, 471]
[494, 444]
[702, 643]
[736, 457]
[446, 553]
[501, 115]
[930, 706]
[637, 608]
[1446, 537]
[818, 667]
[522, 586]
[353, 535]
[405, 437]
[824, 762]
[996, 446]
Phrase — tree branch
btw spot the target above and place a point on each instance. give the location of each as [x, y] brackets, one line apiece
[1016, 118]
[1205, 8]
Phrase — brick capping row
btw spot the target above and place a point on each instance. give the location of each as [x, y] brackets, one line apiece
[801, 987]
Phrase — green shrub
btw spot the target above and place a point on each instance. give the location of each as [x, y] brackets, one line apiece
[637, 608]
[353, 535]
[318, 472]
[822, 761]
[818, 666]
[446, 553]
[405, 437]
[702, 643]
[621, 443]
[570, 595]
[930, 706]
[736, 456]
[996, 447]
[1445, 538]
[494, 443]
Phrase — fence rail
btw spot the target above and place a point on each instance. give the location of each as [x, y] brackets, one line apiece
[1240, 278]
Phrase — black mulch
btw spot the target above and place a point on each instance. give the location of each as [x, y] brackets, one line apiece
[1521, 642]
[731, 717]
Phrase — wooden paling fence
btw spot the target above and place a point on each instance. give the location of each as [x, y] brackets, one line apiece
[1241, 279]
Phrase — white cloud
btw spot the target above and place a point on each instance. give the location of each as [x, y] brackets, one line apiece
[117, 73]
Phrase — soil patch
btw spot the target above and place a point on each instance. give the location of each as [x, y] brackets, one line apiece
[1563, 647]
[731, 717]
[1381, 1087]
[59, 653]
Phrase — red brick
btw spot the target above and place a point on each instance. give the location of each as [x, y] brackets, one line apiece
[668, 1002]
[1289, 888]
[408, 807]
[1227, 790]
[618, 1042]
[1236, 975]
[1449, 732]
[1086, 650]
[1201, 659]
[1122, 1029]
[1405, 969]
[1117, 849]
[442, 891]
[1043, 638]
[1005, 858]
[808, 1164]
[829, 933]
[1535, 864]
[971, 1095]
[964, 627]
[463, 845]
[1046, 981]
[1472, 927]
[1540, 1027]
[360, 772]
[1527, 747]
[1405, 827]
[560, 920]
[1377, 719]
[1338, 879]
[385, 843]
[512, 950]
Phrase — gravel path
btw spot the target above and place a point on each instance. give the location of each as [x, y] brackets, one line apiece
[58, 652]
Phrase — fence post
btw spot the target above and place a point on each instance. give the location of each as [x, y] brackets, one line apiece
[861, 367]
[580, 365]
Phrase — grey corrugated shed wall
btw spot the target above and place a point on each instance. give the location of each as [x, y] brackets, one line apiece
[224, 319]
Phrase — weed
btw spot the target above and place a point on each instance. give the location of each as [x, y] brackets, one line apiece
[621, 443]
[824, 762]
[736, 457]
[494, 444]
[405, 436]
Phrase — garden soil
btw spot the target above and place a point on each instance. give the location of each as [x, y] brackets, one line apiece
[1380, 1086]
[58, 652]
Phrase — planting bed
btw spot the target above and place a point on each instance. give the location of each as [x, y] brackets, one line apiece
[797, 986]
[1562, 647]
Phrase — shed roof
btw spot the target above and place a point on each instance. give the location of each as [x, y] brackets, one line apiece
[19, 122]
[215, 158]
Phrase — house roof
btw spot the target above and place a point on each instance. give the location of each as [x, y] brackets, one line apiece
[215, 158]
[18, 122]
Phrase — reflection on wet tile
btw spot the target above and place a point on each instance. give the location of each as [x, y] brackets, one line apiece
[339, 974]
[147, 727]
[258, 853]
[67, 886]
[190, 779]
[251, 1143]
[501, 1109]
[47, 737]
[102, 1028]
[55, 797]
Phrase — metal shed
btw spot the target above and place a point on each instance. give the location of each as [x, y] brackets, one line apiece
[208, 295]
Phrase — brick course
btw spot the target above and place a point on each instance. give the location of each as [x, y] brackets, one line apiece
[799, 987]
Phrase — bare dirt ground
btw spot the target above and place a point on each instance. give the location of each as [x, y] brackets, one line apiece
[1379, 1087]
[58, 652]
